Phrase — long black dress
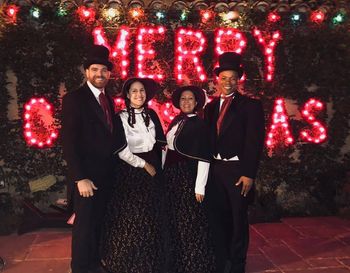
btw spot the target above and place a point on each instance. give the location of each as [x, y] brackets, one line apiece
[190, 249]
[132, 229]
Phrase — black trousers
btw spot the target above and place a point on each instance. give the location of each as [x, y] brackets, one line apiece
[228, 216]
[89, 216]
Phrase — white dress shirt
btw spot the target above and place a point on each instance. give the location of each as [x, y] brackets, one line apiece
[95, 91]
[140, 139]
[202, 167]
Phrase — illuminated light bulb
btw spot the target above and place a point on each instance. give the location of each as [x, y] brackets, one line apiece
[35, 12]
[135, 13]
[111, 12]
[273, 17]
[86, 13]
[160, 15]
[206, 15]
[317, 16]
[12, 11]
[62, 12]
[338, 18]
[183, 15]
[231, 15]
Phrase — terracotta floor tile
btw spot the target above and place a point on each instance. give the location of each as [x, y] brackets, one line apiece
[345, 261]
[319, 247]
[14, 247]
[316, 221]
[272, 231]
[284, 258]
[53, 239]
[48, 266]
[259, 263]
[322, 231]
[255, 238]
[320, 270]
[345, 238]
[324, 262]
[49, 252]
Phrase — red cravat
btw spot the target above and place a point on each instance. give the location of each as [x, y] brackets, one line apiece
[225, 105]
[106, 110]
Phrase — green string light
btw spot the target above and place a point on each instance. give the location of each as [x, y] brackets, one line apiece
[35, 12]
[160, 15]
[184, 15]
[338, 19]
[62, 12]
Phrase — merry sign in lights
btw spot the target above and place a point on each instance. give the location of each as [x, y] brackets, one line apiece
[190, 45]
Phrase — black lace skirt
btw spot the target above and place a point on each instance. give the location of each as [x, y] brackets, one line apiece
[131, 240]
[190, 248]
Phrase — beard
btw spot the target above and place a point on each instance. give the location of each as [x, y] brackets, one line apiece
[99, 82]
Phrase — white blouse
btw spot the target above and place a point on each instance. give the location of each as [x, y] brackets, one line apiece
[202, 167]
[140, 139]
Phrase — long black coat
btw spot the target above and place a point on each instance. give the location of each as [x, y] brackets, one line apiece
[88, 144]
[242, 132]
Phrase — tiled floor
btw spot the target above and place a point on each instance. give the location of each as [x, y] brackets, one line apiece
[296, 245]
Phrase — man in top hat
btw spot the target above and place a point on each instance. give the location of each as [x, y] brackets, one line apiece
[237, 135]
[90, 135]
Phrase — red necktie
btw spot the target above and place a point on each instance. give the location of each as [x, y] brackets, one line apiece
[225, 105]
[106, 110]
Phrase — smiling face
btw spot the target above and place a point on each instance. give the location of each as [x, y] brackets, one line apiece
[137, 94]
[187, 102]
[98, 75]
[227, 82]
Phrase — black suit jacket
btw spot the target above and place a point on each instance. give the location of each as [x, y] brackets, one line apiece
[88, 144]
[242, 132]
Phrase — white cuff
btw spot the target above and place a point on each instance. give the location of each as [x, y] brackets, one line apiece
[202, 177]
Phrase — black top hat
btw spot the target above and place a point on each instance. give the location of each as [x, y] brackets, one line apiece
[98, 54]
[151, 87]
[229, 61]
[198, 92]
